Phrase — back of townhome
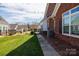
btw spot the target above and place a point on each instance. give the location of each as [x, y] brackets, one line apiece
[63, 21]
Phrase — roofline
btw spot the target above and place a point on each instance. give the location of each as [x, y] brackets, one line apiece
[44, 13]
[53, 13]
[46, 10]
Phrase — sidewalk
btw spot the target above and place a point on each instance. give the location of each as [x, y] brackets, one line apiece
[48, 50]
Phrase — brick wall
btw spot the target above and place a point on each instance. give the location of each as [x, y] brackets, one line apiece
[50, 23]
[58, 24]
[50, 9]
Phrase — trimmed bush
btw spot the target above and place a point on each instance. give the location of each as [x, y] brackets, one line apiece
[32, 32]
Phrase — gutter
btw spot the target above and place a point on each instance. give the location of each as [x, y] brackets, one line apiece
[55, 9]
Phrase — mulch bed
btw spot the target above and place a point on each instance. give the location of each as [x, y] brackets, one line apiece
[63, 48]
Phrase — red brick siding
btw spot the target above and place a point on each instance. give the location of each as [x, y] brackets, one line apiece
[50, 23]
[50, 9]
[64, 7]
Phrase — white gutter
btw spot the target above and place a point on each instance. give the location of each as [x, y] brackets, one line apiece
[46, 11]
[55, 9]
[44, 19]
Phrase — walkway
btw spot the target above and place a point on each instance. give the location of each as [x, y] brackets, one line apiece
[46, 47]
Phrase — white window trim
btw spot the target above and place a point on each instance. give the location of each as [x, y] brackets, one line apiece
[69, 34]
[55, 9]
[78, 27]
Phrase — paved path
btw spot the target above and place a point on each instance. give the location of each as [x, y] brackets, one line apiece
[46, 47]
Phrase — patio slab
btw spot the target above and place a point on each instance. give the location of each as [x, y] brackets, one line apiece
[48, 50]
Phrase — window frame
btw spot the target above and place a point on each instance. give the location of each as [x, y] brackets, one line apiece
[70, 14]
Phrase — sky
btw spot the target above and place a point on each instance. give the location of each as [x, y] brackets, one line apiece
[22, 12]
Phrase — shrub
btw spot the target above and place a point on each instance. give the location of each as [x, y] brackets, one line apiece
[32, 32]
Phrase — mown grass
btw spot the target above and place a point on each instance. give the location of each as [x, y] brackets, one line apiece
[20, 45]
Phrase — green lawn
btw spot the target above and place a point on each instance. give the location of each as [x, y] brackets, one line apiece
[20, 45]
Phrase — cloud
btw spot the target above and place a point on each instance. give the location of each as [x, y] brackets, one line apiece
[21, 11]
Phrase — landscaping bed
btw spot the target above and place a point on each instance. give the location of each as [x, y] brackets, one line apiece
[63, 48]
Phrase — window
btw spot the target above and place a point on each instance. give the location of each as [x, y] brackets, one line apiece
[3, 28]
[70, 22]
[75, 10]
[66, 13]
[75, 24]
[66, 24]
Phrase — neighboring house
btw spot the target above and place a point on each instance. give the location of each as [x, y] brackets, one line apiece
[18, 27]
[21, 28]
[34, 27]
[63, 20]
[12, 26]
[4, 26]
[12, 29]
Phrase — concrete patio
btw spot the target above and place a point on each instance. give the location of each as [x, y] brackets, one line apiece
[48, 50]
